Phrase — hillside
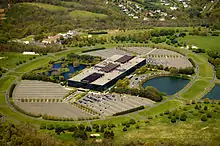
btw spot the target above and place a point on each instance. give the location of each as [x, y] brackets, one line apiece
[24, 19]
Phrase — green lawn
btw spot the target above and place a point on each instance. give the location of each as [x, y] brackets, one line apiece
[205, 42]
[6, 82]
[9, 60]
[47, 6]
[33, 65]
[198, 87]
[161, 108]
[86, 15]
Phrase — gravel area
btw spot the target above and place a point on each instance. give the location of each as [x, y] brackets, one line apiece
[39, 90]
[106, 53]
[53, 109]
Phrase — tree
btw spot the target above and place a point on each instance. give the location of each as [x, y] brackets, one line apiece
[88, 129]
[43, 126]
[205, 108]
[174, 70]
[183, 117]
[132, 121]
[124, 129]
[173, 119]
[204, 117]
[81, 127]
[80, 134]
[72, 128]
[50, 127]
[38, 37]
[58, 130]
[109, 134]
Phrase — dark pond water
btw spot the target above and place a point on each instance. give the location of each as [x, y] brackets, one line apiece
[214, 93]
[71, 68]
[167, 84]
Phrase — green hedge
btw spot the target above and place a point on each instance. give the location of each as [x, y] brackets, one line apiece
[192, 62]
[96, 49]
[12, 89]
[100, 32]
[129, 111]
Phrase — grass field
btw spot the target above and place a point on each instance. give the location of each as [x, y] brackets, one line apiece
[86, 15]
[6, 82]
[161, 108]
[47, 6]
[205, 42]
[198, 87]
[9, 60]
[33, 65]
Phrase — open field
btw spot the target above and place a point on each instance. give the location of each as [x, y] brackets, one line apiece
[86, 15]
[53, 109]
[204, 42]
[47, 6]
[6, 82]
[33, 65]
[9, 60]
[109, 104]
[161, 108]
[27, 89]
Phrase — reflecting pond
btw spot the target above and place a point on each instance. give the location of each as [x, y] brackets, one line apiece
[71, 68]
[214, 93]
[167, 84]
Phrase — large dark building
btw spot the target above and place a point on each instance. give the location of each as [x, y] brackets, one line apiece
[107, 73]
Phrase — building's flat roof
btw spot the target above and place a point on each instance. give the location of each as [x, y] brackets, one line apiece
[109, 67]
[92, 77]
[124, 59]
[107, 76]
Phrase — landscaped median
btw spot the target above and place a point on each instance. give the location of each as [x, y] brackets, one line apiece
[205, 80]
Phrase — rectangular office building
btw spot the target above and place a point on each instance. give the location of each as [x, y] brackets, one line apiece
[105, 74]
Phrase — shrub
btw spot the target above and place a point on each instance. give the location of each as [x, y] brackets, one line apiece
[188, 103]
[183, 117]
[129, 111]
[161, 114]
[150, 117]
[173, 119]
[50, 127]
[193, 102]
[201, 111]
[205, 108]
[147, 121]
[185, 109]
[166, 112]
[137, 127]
[204, 117]
[95, 126]
[206, 100]
[132, 121]
[196, 107]
[209, 115]
[43, 126]
[127, 125]
[124, 129]
[88, 129]
[12, 89]
[81, 127]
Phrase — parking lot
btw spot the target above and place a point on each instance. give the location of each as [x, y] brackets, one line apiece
[106, 53]
[109, 104]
